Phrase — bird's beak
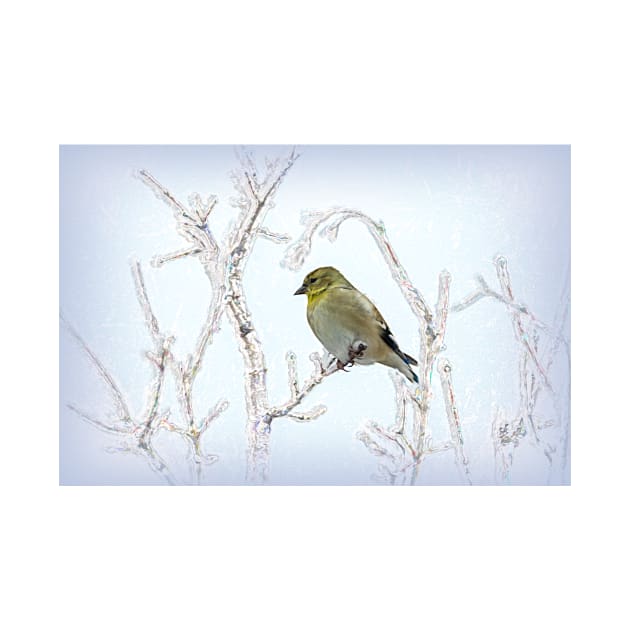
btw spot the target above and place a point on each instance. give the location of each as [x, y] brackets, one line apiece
[301, 290]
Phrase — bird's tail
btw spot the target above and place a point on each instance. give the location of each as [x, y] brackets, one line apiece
[411, 375]
[410, 360]
[403, 366]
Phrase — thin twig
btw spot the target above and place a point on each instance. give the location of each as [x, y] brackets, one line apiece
[298, 394]
[121, 406]
[452, 413]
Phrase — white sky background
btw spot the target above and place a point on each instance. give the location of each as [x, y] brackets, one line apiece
[444, 207]
[344, 72]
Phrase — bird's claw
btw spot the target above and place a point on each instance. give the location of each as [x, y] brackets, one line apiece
[355, 351]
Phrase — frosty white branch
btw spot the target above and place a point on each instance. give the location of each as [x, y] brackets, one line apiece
[296, 254]
[321, 370]
[140, 433]
[225, 264]
[507, 298]
[136, 433]
[193, 226]
[533, 372]
[255, 200]
[452, 413]
[122, 410]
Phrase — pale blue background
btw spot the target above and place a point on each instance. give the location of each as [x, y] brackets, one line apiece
[447, 207]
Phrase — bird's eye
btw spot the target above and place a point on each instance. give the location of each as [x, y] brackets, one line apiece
[312, 280]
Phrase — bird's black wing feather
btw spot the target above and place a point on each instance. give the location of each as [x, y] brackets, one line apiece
[388, 338]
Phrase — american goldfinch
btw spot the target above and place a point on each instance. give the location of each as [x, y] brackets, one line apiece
[349, 325]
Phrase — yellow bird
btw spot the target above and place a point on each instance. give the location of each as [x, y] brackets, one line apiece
[349, 325]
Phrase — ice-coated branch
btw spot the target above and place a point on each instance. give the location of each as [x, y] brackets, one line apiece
[533, 373]
[484, 290]
[296, 254]
[274, 237]
[122, 410]
[213, 414]
[320, 372]
[145, 305]
[159, 361]
[452, 413]
[254, 201]
[517, 309]
[429, 351]
[135, 434]
[225, 264]
[519, 330]
[158, 261]
[441, 310]
[373, 446]
[103, 426]
[160, 358]
[192, 224]
[138, 433]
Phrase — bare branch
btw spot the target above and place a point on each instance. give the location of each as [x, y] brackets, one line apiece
[213, 414]
[298, 394]
[373, 447]
[155, 392]
[145, 305]
[200, 208]
[158, 261]
[274, 237]
[190, 224]
[211, 327]
[307, 416]
[506, 287]
[452, 413]
[163, 194]
[121, 407]
[296, 253]
[108, 428]
[402, 394]
[293, 375]
[441, 311]
[253, 203]
[397, 439]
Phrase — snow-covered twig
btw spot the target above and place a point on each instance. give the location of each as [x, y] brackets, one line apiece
[122, 410]
[320, 372]
[452, 413]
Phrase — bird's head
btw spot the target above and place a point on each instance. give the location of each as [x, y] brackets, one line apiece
[320, 280]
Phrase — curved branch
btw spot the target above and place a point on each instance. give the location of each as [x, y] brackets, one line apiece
[296, 253]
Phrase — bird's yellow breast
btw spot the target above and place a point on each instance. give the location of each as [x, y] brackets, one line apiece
[315, 297]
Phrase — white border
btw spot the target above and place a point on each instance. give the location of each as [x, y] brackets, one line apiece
[314, 557]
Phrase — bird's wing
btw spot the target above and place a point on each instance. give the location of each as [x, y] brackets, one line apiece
[388, 337]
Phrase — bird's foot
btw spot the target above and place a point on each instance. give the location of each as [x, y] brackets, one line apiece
[356, 350]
